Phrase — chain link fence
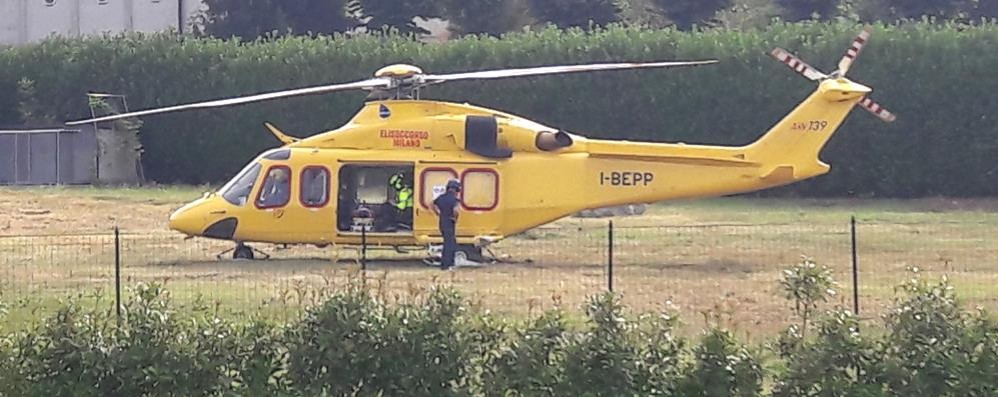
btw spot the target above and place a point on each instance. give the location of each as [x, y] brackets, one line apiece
[726, 271]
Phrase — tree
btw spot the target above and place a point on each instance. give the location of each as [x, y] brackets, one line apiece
[939, 8]
[643, 13]
[796, 10]
[747, 14]
[570, 13]
[686, 13]
[398, 14]
[984, 9]
[493, 17]
[250, 19]
[318, 16]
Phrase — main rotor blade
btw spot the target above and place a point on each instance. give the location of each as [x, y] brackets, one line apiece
[853, 51]
[797, 65]
[501, 73]
[369, 83]
[876, 109]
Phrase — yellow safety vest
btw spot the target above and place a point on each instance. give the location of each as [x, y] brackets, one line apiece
[404, 201]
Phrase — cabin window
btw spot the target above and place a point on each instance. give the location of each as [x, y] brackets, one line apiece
[237, 191]
[276, 189]
[433, 183]
[314, 186]
[480, 189]
[278, 154]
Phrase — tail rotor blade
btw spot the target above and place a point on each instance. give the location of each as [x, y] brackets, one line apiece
[854, 49]
[877, 110]
[797, 65]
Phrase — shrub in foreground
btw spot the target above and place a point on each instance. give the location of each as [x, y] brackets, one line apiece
[438, 344]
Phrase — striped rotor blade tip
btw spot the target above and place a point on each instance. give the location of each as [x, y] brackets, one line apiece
[876, 109]
[797, 65]
[853, 51]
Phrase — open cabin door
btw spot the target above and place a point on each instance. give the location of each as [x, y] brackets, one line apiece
[375, 196]
[481, 197]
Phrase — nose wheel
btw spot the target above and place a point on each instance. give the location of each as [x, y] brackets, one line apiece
[243, 252]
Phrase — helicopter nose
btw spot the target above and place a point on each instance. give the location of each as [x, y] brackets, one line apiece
[186, 220]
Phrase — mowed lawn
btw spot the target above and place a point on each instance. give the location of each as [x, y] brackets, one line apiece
[714, 259]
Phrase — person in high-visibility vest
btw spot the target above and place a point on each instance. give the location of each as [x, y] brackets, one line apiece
[403, 198]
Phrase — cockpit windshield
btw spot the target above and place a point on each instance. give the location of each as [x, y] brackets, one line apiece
[237, 191]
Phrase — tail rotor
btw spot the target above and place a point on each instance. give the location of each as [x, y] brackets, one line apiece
[845, 63]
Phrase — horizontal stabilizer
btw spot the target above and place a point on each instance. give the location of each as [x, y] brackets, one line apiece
[782, 173]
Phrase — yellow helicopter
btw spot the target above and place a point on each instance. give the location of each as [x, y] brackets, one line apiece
[339, 187]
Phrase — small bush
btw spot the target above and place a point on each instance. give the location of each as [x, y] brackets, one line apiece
[61, 358]
[932, 347]
[722, 367]
[807, 284]
[339, 347]
[356, 344]
[601, 361]
[837, 362]
[531, 361]
[660, 353]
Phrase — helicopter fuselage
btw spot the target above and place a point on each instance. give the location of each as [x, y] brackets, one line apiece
[516, 174]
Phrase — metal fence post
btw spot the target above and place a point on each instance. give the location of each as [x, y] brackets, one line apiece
[855, 267]
[609, 272]
[363, 248]
[117, 272]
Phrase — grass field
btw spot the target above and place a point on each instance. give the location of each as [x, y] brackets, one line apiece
[721, 257]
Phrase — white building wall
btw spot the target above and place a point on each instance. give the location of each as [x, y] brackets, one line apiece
[49, 17]
[154, 15]
[103, 16]
[10, 16]
[29, 21]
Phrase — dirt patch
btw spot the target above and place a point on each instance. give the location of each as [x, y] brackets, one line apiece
[942, 204]
[61, 212]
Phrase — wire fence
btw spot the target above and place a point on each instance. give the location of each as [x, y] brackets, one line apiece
[728, 271]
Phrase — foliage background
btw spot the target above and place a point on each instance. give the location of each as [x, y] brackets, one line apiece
[937, 77]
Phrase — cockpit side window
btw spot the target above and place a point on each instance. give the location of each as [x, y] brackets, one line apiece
[237, 191]
[314, 186]
[276, 189]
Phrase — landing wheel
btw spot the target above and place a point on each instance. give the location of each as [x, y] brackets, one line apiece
[469, 252]
[464, 253]
[242, 252]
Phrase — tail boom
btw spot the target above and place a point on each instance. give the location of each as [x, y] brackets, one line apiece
[789, 151]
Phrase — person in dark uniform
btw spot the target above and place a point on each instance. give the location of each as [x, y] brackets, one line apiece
[446, 207]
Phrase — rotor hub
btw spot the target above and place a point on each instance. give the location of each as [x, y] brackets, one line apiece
[398, 71]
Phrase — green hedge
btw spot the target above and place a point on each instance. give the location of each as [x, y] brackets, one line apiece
[938, 78]
[436, 344]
